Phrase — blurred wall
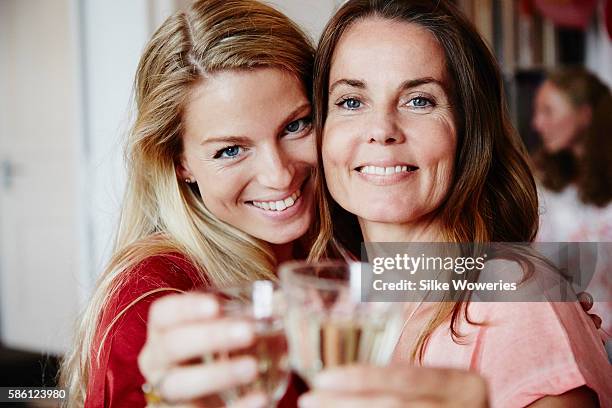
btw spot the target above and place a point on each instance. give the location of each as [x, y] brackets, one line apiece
[310, 15]
[66, 75]
[599, 48]
[40, 173]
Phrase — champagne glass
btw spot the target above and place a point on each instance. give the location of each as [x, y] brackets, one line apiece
[331, 320]
[261, 303]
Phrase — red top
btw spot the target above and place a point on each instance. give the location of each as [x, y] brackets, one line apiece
[116, 381]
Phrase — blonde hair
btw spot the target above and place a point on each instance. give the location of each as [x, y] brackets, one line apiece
[161, 214]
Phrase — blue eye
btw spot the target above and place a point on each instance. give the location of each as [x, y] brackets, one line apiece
[420, 102]
[350, 103]
[297, 126]
[228, 152]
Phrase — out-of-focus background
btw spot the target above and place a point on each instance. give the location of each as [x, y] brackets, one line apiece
[66, 70]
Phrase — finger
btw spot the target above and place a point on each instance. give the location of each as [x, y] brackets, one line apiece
[196, 381]
[323, 399]
[363, 378]
[586, 300]
[257, 400]
[194, 340]
[172, 310]
[596, 320]
[406, 380]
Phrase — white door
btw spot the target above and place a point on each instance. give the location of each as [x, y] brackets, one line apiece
[39, 131]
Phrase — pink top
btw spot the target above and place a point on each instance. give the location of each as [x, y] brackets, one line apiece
[525, 351]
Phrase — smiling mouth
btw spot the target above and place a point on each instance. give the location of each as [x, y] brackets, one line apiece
[282, 204]
[386, 171]
[278, 205]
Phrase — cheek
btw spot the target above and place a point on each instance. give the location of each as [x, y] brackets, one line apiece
[562, 131]
[331, 149]
[302, 152]
[333, 164]
[218, 197]
[436, 156]
[330, 168]
[308, 154]
[436, 144]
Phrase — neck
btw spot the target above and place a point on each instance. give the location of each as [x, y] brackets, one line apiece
[424, 230]
[283, 252]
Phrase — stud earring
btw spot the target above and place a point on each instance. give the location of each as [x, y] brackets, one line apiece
[188, 181]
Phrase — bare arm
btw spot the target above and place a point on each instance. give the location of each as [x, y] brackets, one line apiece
[578, 397]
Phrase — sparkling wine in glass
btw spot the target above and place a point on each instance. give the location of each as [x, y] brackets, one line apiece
[261, 303]
[329, 324]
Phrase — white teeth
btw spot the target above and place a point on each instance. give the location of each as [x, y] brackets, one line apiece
[278, 205]
[383, 171]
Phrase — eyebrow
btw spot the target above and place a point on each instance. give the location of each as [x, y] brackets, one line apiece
[355, 83]
[242, 140]
[226, 139]
[411, 83]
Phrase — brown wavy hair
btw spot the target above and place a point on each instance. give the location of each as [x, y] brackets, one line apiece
[592, 171]
[493, 197]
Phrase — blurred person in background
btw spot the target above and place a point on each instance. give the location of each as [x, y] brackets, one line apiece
[573, 116]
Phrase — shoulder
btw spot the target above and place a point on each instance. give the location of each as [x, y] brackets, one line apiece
[144, 282]
[532, 349]
[121, 332]
[171, 272]
[171, 269]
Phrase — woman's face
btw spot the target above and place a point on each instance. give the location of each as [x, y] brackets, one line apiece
[248, 144]
[389, 140]
[555, 118]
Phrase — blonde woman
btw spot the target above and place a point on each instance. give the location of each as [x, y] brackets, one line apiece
[221, 164]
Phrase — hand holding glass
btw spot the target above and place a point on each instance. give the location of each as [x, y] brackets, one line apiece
[260, 304]
[328, 324]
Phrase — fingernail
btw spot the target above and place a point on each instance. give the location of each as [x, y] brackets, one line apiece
[257, 401]
[306, 401]
[207, 307]
[245, 369]
[240, 331]
[324, 379]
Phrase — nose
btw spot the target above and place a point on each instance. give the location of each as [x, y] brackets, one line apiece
[275, 170]
[384, 129]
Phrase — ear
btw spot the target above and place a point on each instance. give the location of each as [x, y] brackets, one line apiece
[182, 170]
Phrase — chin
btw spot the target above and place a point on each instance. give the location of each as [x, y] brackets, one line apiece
[283, 236]
[386, 214]
[553, 147]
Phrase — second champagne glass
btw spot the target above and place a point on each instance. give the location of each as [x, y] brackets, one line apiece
[329, 324]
